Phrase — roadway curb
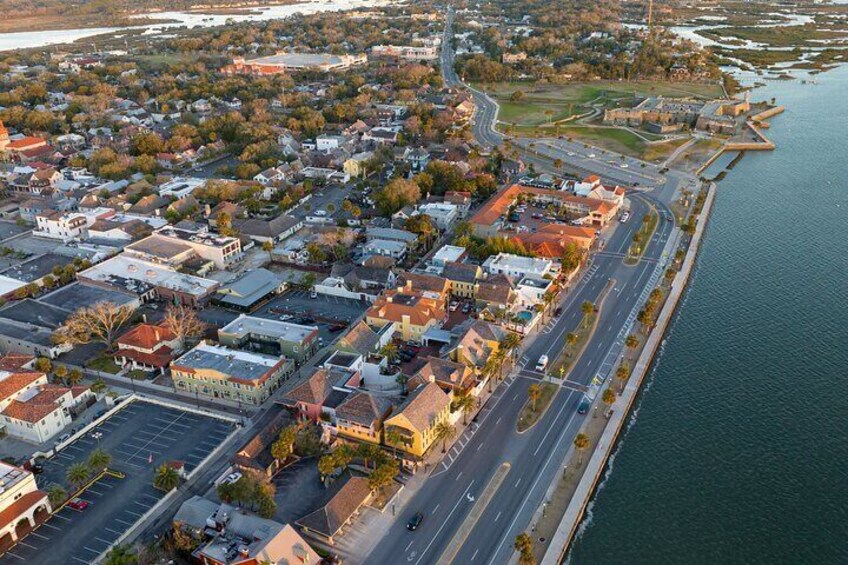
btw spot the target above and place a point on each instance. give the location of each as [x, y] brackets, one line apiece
[573, 516]
[470, 521]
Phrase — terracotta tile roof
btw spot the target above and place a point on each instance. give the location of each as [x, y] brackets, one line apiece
[446, 372]
[316, 388]
[426, 283]
[363, 408]
[20, 506]
[15, 362]
[163, 356]
[146, 336]
[25, 143]
[16, 381]
[37, 407]
[329, 519]
[394, 305]
[423, 405]
[360, 338]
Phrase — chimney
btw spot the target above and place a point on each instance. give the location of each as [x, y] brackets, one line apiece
[156, 333]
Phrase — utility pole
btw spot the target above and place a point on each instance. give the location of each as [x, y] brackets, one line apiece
[650, 13]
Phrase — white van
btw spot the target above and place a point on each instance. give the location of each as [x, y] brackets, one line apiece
[542, 364]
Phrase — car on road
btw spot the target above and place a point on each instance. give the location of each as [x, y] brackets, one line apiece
[415, 521]
[542, 363]
[584, 406]
[624, 165]
[624, 217]
[286, 317]
[591, 155]
[78, 504]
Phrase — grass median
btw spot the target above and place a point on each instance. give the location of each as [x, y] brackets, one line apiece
[642, 237]
[535, 407]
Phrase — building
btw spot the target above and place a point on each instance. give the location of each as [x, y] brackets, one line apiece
[66, 226]
[448, 254]
[443, 214]
[318, 396]
[360, 417]
[249, 290]
[174, 246]
[283, 62]
[406, 52]
[147, 347]
[215, 371]
[409, 310]
[414, 421]
[22, 505]
[328, 522]
[271, 336]
[232, 536]
[30, 407]
[518, 266]
[463, 279]
[148, 281]
[4, 137]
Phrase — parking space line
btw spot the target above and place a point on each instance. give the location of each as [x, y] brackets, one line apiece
[14, 555]
[137, 515]
[103, 540]
[51, 526]
[36, 534]
[141, 504]
[25, 544]
[113, 531]
[80, 560]
[66, 519]
[94, 491]
[150, 496]
[94, 551]
[124, 523]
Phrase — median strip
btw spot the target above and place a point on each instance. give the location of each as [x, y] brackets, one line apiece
[471, 520]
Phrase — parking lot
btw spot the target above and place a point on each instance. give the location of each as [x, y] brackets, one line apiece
[140, 438]
[326, 310]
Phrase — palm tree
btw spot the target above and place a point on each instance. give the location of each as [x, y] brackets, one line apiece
[524, 546]
[443, 432]
[581, 443]
[389, 351]
[99, 460]
[74, 377]
[56, 495]
[466, 403]
[547, 300]
[166, 478]
[622, 374]
[393, 438]
[78, 475]
[588, 309]
[268, 247]
[632, 342]
[534, 393]
[608, 397]
[500, 358]
[490, 369]
[511, 342]
[570, 340]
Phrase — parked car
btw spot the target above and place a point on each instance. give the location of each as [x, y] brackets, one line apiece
[78, 504]
[454, 306]
[313, 294]
[466, 308]
[37, 469]
[231, 478]
[558, 311]
[337, 327]
[415, 521]
[584, 406]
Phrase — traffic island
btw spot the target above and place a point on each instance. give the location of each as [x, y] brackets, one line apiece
[535, 408]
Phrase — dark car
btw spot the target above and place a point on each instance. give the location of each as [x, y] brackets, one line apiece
[409, 352]
[307, 320]
[414, 522]
[337, 327]
[558, 311]
[37, 469]
[466, 308]
[584, 406]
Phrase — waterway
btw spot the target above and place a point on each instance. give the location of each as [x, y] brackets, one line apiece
[31, 39]
[736, 452]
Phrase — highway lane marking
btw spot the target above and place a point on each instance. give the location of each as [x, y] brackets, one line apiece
[436, 508]
[498, 420]
[458, 476]
[479, 446]
[498, 516]
[408, 546]
[475, 554]
[518, 482]
[444, 523]
[535, 483]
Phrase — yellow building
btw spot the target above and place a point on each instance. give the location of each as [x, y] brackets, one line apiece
[360, 417]
[415, 420]
[463, 279]
[411, 311]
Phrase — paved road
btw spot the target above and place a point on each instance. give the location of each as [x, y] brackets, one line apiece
[534, 456]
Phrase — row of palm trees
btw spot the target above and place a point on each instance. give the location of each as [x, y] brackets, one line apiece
[79, 474]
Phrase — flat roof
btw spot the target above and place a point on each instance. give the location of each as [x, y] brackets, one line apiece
[245, 325]
[123, 270]
[37, 267]
[78, 295]
[232, 362]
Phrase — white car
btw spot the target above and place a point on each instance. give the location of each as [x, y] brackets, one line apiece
[231, 478]
[624, 165]
[542, 364]
[454, 306]
[591, 155]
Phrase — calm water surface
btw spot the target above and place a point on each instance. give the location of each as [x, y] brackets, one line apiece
[737, 454]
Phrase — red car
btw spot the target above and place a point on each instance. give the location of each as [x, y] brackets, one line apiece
[78, 504]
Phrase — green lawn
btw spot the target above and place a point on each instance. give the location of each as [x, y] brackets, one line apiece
[104, 364]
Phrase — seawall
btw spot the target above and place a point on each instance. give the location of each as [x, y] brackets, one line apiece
[576, 509]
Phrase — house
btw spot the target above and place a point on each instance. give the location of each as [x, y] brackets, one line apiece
[271, 336]
[360, 417]
[531, 291]
[147, 347]
[274, 230]
[218, 372]
[64, 226]
[318, 396]
[233, 536]
[518, 266]
[444, 215]
[453, 378]
[431, 286]
[23, 507]
[249, 290]
[270, 176]
[362, 339]
[409, 310]
[476, 341]
[357, 165]
[33, 409]
[328, 522]
[387, 248]
[255, 454]
[175, 246]
[448, 254]
[463, 278]
[415, 420]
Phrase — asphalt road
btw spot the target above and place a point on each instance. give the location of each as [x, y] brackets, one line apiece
[535, 455]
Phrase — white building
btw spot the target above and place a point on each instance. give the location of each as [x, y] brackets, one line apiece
[327, 142]
[443, 214]
[22, 505]
[517, 266]
[65, 226]
[33, 409]
[179, 187]
[448, 254]
[530, 291]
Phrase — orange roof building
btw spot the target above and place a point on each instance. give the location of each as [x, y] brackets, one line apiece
[147, 347]
[410, 310]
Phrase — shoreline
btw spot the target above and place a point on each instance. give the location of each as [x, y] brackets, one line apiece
[597, 465]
